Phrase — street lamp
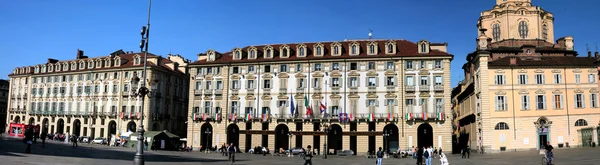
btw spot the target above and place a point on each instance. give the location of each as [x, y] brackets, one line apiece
[326, 130]
[138, 159]
[207, 136]
[386, 134]
[290, 146]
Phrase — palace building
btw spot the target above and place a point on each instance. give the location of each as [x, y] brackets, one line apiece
[521, 89]
[92, 96]
[350, 95]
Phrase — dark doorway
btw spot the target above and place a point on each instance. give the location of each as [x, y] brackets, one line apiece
[265, 138]
[112, 128]
[206, 139]
[390, 142]
[425, 135]
[31, 121]
[372, 138]
[131, 127]
[77, 127]
[233, 135]
[45, 125]
[281, 137]
[60, 126]
[17, 120]
[353, 138]
[248, 137]
[542, 136]
[299, 137]
[155, 127]
[317, 138]
[334, 139]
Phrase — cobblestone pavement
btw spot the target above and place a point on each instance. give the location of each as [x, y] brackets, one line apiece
[55, 153]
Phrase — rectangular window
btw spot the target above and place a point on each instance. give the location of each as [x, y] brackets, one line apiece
[409, 65]
[371, 65]
[372, 82]
[317, 67]
[540, 102]
[105, 88]
[501, 103]
[522, 79]
[578, 78]
[390, 102]
[250, 84]
[207, 107]
[539, 79]
[579, 101]
[208, 85]
[301, 83]
[438, 80]
[267, 84]
[235, 84]
[316, 83]
[335, 82]
[198, 85]
[389, 81]
[267, 68]
[335, 66]
[115, 88]
[410, 81]
[438, 64]
[557, 78]
[283, 68]
[220, 85]
[353, 82]
[126, 88]
[371, 103]
[282, 103]
[250, 69]
[499, 80]
[422, 65]
[389, 65]
[594, 100]
[557, 102]
[423, 80]
[354, 66]
[439, 105]
[298, 67]
[235, 70]
[525, 102]
[591, 78]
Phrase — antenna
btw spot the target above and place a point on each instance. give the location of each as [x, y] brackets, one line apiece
[370, 34]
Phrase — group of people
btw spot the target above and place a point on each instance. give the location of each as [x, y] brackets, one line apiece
[428, 153]
[229, 150]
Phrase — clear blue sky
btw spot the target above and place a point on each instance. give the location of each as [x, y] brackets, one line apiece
[34, 30]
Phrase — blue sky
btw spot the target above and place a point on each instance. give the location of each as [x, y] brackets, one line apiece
[34, 30]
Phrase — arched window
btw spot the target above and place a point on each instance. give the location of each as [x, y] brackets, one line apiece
[501, 126]
[423, 48]
[252, 53]
[301, 51]
[319, 50]
[336, 50]
[580, 123]
[523, 29]
[496, 32]
[545, 32]
[372, 49]
[353, 49]
[285, 52]
[137, 60]
[237, 55]
[390, 48]
[268, 52]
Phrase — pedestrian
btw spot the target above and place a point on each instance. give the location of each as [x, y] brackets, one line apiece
[468, 152]
[74, 140]
[414, 152]
[430, 155]
[28, 139]
[419, 154]
[464, 152]
[379, 156]
[308, 156]
[145, 145]
[435, 151]
[440, 152]
[427, 155]
[232, 150]
[443, 159]
[43, 137]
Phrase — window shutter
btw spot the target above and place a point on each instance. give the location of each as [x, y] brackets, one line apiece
[377, 103]
[562, 100]
[582, 101]
[544, 102]
[503, 79]
[505, 103]
[553, 102]
[496, 103]
[496, 79]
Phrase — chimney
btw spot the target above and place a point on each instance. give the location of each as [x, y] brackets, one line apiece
[79, 53]
[596, 54]
[513, 60]
[52, 61]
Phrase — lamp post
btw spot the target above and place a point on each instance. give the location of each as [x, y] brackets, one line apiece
[138, 159]
[290, 146]
[325, 150]
[207, 136]
[386, 134]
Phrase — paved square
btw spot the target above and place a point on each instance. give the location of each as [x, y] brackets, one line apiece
[55, 153]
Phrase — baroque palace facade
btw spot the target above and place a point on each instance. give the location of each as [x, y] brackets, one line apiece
[92, 96]
[373, 93]
[521, 90]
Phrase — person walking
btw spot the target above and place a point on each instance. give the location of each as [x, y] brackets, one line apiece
[468, 152]
[379, 156]
[232, 152]
[464, 152]
[420, 155]
[145, 145]
[28, 139]
[308, 156]
[427, 156]
[443, 159]
[74, 140]
[43, 138]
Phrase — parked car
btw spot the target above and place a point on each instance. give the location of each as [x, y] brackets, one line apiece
[258, 150]
[85, 139]
[99, 140]
[297, 150]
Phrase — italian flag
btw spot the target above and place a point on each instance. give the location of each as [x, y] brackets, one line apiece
[424, 115]
[441, 116]
[248, 117]
[351, 117]
[130, 114]
[232, 117]
[265, 117]
[194, 116]
[409, 116]
[137, 115]
[204, 116]
[371, 117]
[216, 117]
[121, 115]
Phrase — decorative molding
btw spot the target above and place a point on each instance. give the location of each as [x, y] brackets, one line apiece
[354, 73]
[300, 75]
[577, 70]
[424, 94]
[391, 96]
[234, 97]
[499, 71]
[372, 74]
[266, 97]
[354, 96]
[372, 96]
[556, 71]
[540, 91]
[283, 97]
[578, 91]
[539, 71]
[557, 92]
[593, 90]
[317, 97]
[522, 71]
[250, 97]
[318, 74]
[267, 76]
[500, 93]
[523, 92]
[423, 72]
[335, 97]
[283, 75]
[390, 73]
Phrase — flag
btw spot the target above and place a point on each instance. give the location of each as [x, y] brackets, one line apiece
[292, 105]
[296, 113]
[323, 108]
[441, 116]
[232, 117]
[216, 116]
[265, 117]
[194, 116]
[390, 117]
[137, 115]
[204, 116]
[248, 117]
[408, 116]
[130, 113]
[424, 115]
[307, 105]
[351, 117]
[121, 115]
[343, 117]
[371, 117]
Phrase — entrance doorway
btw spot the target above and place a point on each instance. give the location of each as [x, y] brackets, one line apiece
[31, 121]
[281, 137]
[112, 128]
[45, 125]
[248, 137]
[334, 139]
[77, 127]
[543, 131]
[233, 135]
[353, 139]
[206, 139]
[60, 126]
[390, 138]
[425, 135]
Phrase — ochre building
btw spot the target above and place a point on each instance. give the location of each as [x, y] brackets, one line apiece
[364, 94]
[521, 89]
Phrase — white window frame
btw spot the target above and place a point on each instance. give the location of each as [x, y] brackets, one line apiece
[539, 79]
[594, 100]
[540, 104]
[525, 102]
[372, 81]
[579, 100]
[557, 78]
[501, 103]
[560, 102]
[500, 79]
[577, 78]
[522, 79]
[591, 78]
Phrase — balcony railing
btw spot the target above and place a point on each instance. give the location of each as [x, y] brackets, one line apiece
[391, 89]
[410, 88]
[438, 88]
[424, 88]
[208, 91]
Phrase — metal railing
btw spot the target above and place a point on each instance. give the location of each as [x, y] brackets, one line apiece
[438, 87]
[409, 88]
[424, 88]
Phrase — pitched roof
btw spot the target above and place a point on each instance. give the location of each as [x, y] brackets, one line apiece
[544, 61]
[404, 48]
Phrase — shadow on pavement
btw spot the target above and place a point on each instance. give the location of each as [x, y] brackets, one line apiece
[15, 147]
